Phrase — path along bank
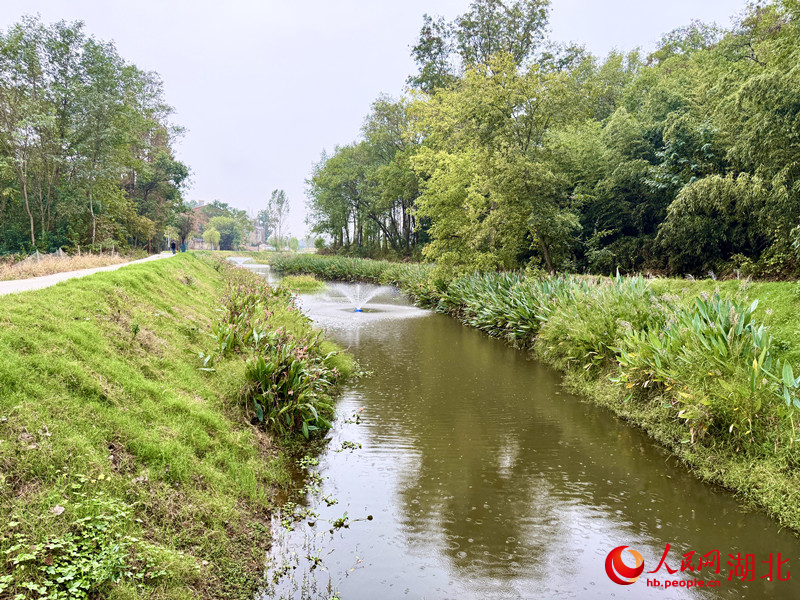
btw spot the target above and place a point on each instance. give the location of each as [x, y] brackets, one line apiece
[134, 458]
[709, 369]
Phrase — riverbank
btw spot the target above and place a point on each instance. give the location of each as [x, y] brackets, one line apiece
[698, 365]
[130, 466]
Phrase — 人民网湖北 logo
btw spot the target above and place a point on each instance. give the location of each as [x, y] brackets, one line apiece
[741, 566]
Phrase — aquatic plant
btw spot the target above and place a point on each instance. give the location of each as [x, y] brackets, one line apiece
[289, 385]
[288, 380]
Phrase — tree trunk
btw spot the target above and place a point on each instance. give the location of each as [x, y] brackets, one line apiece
[28, 208]
[94, 218]
[546, 253]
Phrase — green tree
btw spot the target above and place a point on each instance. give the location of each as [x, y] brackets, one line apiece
[85, 143]
[211, 237]
[487, 29]
[230, 230]
[278, 210]
[490, 134]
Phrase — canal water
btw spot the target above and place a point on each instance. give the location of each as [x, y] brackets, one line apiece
[486, 478]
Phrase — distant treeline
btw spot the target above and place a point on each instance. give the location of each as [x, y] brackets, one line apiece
[86, 154]
[509, 150]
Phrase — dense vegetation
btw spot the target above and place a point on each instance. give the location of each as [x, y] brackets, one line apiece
[511, 151]
[86, 146]
[219, 224]
[129, 464]
[708, 368]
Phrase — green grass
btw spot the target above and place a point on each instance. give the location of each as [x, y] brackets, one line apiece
[263, 258]
[104, 413]
[302, 283]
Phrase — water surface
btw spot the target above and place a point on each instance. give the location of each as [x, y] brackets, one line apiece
[487, 479]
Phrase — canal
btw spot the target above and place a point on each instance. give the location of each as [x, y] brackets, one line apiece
[486, 478]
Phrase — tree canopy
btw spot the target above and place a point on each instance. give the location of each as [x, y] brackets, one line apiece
[86, 145]
[509, 150]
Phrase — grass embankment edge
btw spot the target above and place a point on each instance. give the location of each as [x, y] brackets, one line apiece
[126, 471]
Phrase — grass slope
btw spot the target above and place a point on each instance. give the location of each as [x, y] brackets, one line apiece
[115, 448]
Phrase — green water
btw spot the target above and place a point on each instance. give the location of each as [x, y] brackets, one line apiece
[487, 479]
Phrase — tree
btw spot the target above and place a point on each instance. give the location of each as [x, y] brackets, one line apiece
[487, 150]
[231, 232]
[211, 237]
[487, 29]
[185, 224]
[363, 195]
[523, 151]
[294, 244]
[264, 219]
[85, 144]
[278, 210]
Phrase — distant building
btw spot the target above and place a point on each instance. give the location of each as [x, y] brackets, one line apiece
[257, 236]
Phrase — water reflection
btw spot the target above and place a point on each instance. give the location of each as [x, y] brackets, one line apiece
[487, 479]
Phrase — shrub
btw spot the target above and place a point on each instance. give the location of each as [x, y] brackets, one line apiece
[288, 382]
[717, 362]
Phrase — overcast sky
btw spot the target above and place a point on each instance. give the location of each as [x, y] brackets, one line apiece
[263, 86]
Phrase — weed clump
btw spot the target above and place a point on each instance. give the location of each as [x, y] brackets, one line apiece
[289, 375]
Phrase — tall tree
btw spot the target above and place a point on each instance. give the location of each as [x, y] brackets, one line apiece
[490, 27]
[278, 209]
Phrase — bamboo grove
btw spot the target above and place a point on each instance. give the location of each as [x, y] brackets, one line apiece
[509, 150]
[86, 155]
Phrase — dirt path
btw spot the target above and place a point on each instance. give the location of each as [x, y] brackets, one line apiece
[36, 283]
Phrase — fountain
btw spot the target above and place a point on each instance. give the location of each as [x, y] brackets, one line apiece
[358, 295]
[239, 260]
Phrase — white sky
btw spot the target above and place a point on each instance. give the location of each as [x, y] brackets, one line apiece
[264, 86]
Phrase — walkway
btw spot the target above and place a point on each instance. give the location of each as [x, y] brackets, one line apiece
[37, 283]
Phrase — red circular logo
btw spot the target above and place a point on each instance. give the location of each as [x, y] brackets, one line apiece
[618, 571]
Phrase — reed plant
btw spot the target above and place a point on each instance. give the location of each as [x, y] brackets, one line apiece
[289, 375]
[49, 264]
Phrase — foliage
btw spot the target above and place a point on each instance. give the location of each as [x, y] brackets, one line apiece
[289, 386]
[488, 28]
[363, 194]
[86, 146]
[84, 562]
[289, 377]
[719, 360]
[211, 237]
[515, 151]
[229, 232]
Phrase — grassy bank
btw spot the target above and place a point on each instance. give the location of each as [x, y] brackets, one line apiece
[709, 369]
[129, 464]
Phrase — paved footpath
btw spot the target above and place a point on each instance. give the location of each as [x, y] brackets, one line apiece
[37, 283]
